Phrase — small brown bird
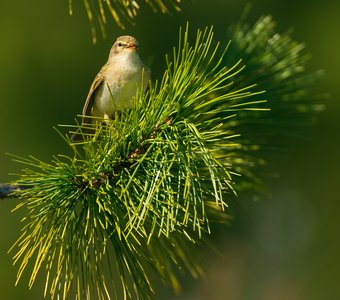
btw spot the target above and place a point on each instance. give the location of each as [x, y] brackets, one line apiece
[116, 83]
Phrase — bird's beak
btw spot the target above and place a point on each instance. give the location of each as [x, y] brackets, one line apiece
[132, 46]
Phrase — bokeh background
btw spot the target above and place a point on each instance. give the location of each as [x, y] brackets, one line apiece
[286, 245]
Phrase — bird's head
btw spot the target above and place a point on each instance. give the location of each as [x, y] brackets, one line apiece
[124, 44]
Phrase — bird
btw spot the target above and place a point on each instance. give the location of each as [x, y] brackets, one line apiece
[116, 84]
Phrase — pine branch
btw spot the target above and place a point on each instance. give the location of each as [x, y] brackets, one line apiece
[278, 65]
[145, 182]
[121, 11]
[139, 194]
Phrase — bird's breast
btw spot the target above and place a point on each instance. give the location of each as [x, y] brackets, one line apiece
[119, 87]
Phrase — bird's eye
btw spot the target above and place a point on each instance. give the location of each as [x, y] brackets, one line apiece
[120, 44]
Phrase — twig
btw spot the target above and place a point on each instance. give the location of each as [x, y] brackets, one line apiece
[6, 190]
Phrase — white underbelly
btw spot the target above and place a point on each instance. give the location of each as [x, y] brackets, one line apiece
[116, 95]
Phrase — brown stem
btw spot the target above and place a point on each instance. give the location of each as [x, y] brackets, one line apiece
[6, 190]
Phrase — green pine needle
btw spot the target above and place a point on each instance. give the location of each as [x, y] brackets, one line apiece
[147, 181]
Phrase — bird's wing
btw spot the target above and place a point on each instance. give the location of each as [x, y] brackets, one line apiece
[97, 82]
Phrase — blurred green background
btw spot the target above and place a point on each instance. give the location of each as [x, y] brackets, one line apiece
[286, 246]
